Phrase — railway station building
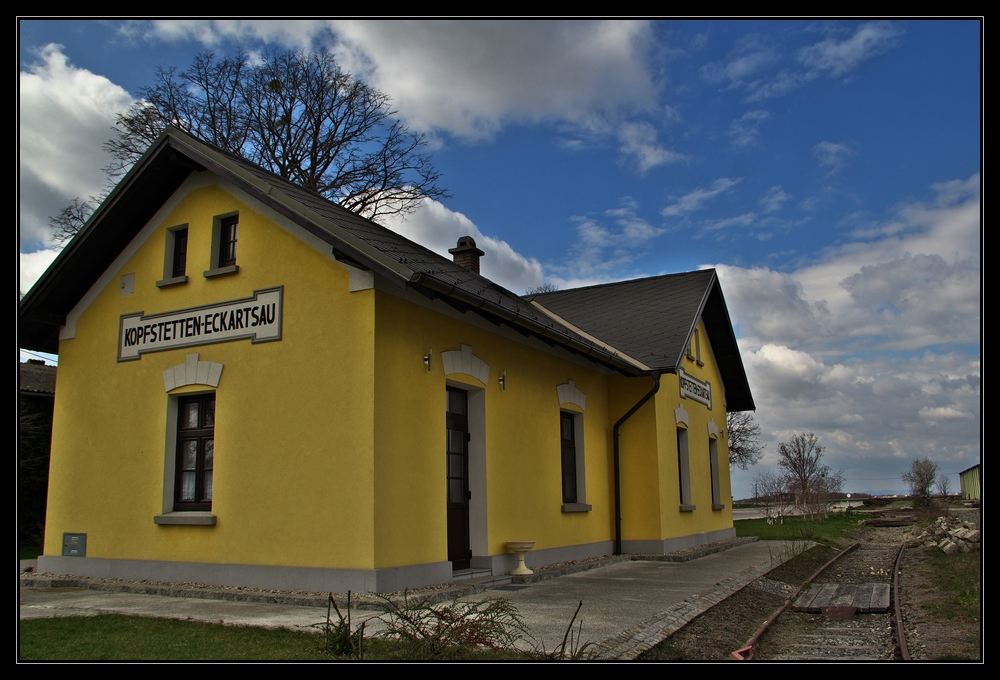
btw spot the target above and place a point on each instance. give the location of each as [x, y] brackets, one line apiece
[380, 416]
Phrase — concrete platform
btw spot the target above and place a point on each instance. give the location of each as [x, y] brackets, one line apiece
[628, 605]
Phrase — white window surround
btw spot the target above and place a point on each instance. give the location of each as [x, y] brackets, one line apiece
[568, 393]
[191, 372]
[464, 361]
[168, 259]
[214, 268]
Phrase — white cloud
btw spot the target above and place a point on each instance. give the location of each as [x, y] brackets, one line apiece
[31, 266]
[774, 199]
[639, 143]
[65, 116]
[821, 343]
[601, 249]
[436, 227]
[748, 58]
[694, 200]
[746, 130]
[470, 78]
[838, 57]
[832, 156]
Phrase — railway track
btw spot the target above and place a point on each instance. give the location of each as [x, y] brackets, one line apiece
[844, 613]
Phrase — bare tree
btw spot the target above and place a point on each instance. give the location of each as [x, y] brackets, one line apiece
[296, 114]
[745, 448]
[920, 478]
[812, 482]
[943, 486]
[546, 287]
[772, 490]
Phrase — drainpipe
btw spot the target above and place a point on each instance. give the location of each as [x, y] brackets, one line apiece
[618, 482]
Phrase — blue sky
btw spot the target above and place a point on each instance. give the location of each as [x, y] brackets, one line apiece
[828, 169]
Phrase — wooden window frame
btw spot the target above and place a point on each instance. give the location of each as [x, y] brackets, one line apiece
[228, 241]
[225, 245]
[567, 423]
[175, 258]
[179, 256]
[201, 434]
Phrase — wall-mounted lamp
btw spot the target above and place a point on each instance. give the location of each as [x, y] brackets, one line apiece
[428, 358]
[503, 380]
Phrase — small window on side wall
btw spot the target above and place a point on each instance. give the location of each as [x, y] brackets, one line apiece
[574, 483]
[225, 236]
[175, 257]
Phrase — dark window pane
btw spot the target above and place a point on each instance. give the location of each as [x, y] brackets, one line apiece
[209, 453]
[456, 490]
[189, 450]
[209, 417]
[189, 415]
[208, 485]
[456, 466]
[180, 252]
[227, 247]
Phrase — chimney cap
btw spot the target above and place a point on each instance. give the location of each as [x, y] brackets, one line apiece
[466, 244]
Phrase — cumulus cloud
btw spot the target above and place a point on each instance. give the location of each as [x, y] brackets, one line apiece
[436, 227]
[821, 343]
[470, 78]
[65, 116]
[639, 144]
[467, 78]
[31, 266]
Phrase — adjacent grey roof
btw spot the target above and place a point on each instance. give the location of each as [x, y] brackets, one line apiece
[652, 320]
[37, 379]
[647, 319]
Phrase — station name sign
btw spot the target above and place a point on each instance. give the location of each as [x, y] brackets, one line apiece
[692, 388]
[257, 318]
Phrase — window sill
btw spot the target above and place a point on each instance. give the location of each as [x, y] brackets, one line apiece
[163, 283]
[718, 506]
[198, 518]
[687, 508]
[576, 507]
[220, 271]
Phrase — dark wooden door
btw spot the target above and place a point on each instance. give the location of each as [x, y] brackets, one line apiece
[457, 462]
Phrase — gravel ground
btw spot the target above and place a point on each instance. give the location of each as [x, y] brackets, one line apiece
[727, 626]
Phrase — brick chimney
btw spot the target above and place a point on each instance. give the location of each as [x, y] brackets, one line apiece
[466, 254]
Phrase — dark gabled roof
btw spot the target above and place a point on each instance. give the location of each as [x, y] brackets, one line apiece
[354, 239]
[38, 379]
[652, 320]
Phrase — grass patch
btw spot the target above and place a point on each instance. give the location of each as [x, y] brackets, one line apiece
[837, 529]
[958, 575]
[116, 637]
[113, 637]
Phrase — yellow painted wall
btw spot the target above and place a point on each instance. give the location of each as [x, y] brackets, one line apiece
[640, 464]
[673, 522]
[295, 418]
[523, 476]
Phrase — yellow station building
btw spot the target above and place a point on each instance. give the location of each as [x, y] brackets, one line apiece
[379, 416]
